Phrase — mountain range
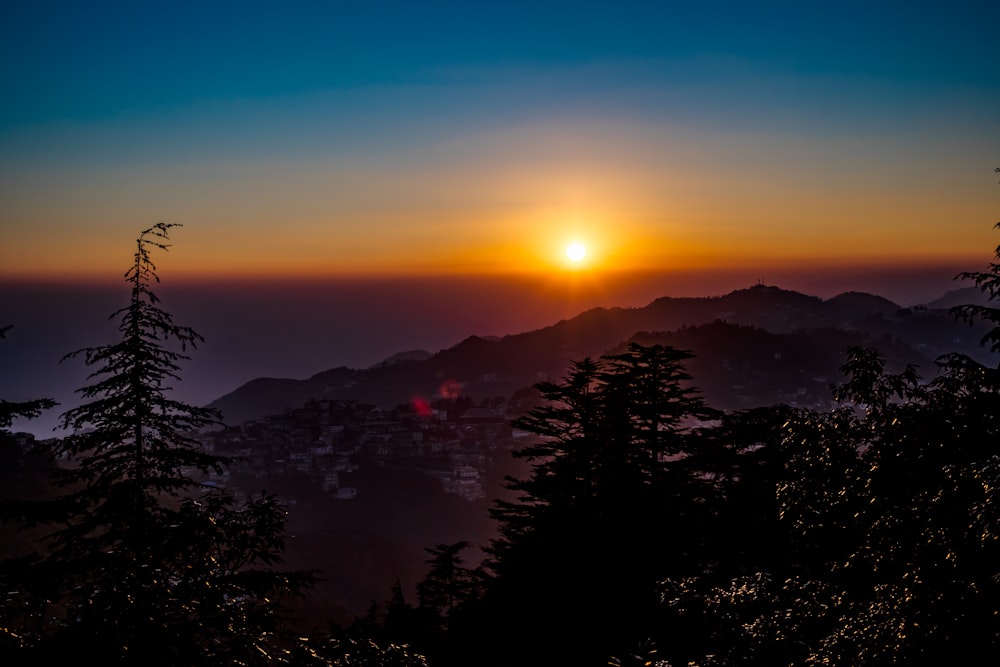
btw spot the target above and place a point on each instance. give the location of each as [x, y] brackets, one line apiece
[753, 346]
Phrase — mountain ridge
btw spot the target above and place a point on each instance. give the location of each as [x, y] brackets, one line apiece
[484, 367]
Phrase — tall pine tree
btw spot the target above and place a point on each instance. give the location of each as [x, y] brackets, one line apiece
[145, 564]
[609, 508]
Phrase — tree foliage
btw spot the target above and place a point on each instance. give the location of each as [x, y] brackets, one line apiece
[887, 512]
[888, 507]
[447, 583]
[988, 282]
[144, 564]
[610, 506]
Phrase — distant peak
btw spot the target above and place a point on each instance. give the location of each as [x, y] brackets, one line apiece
[477, 340]
[863, 299]
[959, 297]
[402, 357]
[760, 289]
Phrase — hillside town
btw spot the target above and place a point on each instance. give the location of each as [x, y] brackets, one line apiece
[326, 441]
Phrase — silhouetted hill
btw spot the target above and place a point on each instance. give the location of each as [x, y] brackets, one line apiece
[850, 304]
[482, 367]
[266, 396]
[737, 366]
[958, 297]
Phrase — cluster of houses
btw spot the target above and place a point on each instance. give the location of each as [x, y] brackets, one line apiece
[325, 441]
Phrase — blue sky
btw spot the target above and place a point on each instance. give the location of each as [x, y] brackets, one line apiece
[68, 61]
[142, 55]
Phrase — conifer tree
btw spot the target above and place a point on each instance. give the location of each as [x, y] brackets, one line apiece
[888, 505]
[447, 581]
[988, 282]
[145, 564]
[609, 508]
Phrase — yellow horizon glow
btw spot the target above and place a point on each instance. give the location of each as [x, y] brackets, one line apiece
[640, 196]
[617, 238]
[182, 265]
[621, 230]
[537, 247]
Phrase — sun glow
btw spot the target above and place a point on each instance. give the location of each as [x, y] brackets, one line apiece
[574, 244]
[576, 252]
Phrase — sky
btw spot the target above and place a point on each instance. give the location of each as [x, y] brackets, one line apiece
[458, 138]
[423, 167]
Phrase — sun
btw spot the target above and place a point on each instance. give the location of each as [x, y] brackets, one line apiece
[576, 252]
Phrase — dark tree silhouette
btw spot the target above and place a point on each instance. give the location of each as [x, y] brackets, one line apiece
[339, 648]
[609, 508]
[888, 515]
[145, 564]
[989, 282]
[447, 582]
